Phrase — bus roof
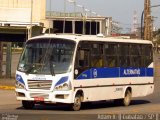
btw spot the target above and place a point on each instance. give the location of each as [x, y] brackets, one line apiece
[78, 38]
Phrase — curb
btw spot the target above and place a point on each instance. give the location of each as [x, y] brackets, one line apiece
[7, 88]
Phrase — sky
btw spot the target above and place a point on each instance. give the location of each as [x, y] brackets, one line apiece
[121, 11]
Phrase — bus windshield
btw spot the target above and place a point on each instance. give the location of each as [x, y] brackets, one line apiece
[47, 56]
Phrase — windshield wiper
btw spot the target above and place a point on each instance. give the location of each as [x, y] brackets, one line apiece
[52, 69]
[31, 67]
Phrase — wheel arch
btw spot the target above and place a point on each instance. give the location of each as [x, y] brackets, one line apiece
[79, 92]
[127, 88]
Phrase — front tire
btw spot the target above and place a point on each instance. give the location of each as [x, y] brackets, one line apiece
[76, 106]
[28, 104]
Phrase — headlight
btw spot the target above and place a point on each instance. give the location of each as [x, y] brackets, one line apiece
[63, 87]
[19, 85]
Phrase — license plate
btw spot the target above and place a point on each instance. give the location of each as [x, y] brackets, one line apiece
[38, 99]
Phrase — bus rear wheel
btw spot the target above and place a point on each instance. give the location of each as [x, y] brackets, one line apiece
[127, 98]
[28, 104]
[76, 106]
[124, 101]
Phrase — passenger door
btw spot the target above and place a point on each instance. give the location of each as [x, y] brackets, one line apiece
[82, 62]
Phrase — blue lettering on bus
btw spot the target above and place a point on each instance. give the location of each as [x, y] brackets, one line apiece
[132, 72]
[85, 75]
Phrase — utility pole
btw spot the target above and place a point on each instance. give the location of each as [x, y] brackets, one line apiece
[135, 22]
[31, 14]
[8, 59]
[1, 58]
[148, 27]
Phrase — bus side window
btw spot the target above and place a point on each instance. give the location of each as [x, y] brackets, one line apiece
[81, 58]
[97, 55]
[124, 58]
[148, 53]
[111, 55]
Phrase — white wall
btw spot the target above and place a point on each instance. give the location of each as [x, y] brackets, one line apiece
[20, 10]
[15, 14]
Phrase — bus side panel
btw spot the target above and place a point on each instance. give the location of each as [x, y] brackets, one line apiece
[114, 88]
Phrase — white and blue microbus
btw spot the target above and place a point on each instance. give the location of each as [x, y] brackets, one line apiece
[74, 69]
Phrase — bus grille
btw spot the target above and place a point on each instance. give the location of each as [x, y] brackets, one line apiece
[33, 95]
[40, 84]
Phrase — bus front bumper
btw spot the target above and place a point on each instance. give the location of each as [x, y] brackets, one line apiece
[46, 97]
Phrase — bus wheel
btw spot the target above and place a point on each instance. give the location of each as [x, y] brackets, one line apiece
[28, 104]
[77, 103]
[127, 98]
[124, 101]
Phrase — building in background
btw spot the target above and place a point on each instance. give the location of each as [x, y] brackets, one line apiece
[21, 19]
[19, 11]
[17, 17]
[88, 25]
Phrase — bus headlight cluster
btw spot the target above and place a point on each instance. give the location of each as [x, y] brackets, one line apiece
[64, 86]
[19, 85]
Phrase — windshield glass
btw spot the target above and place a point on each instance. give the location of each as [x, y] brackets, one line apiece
[47, 56]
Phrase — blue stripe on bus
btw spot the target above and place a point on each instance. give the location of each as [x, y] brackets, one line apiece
[150, 72]
[20, 79]
[115, 72]
[62, 80]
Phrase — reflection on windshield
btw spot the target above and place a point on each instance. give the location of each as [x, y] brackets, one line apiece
[47, 56]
